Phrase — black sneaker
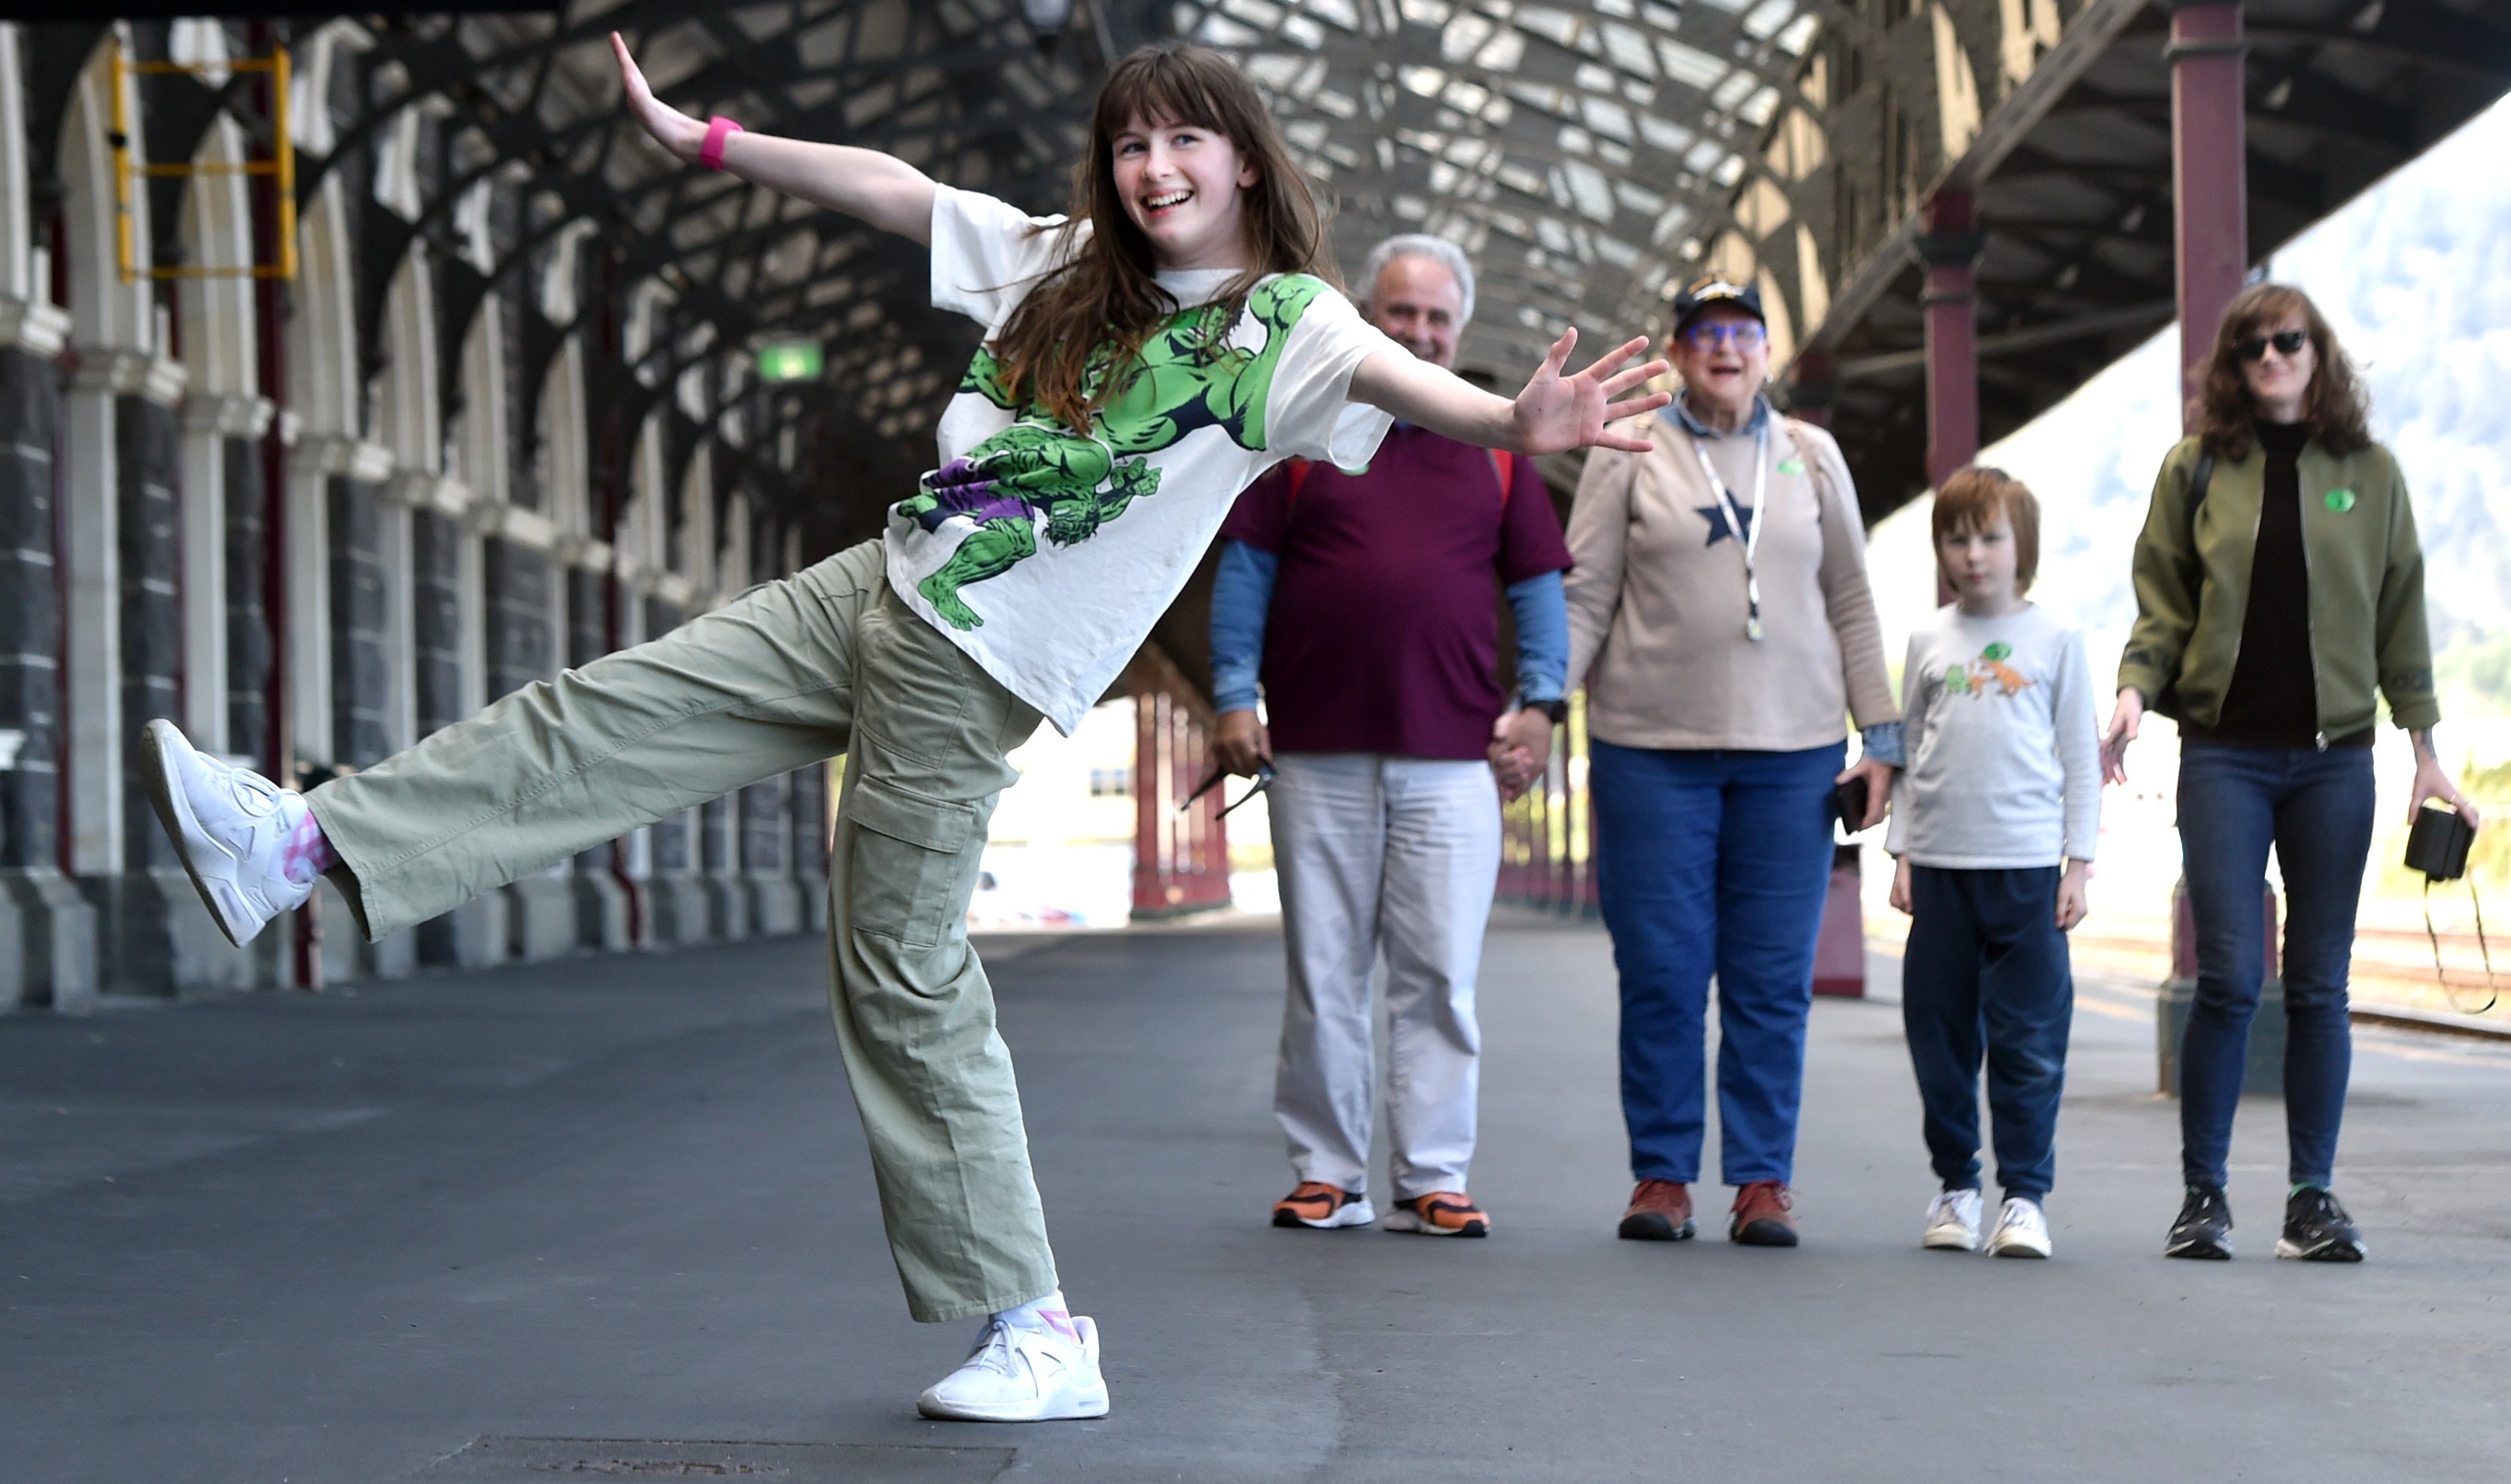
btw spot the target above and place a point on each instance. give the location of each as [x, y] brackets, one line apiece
[2317, 1229]
[2204, 1229]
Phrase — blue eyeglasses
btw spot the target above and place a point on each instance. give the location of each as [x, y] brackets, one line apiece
[1743, 334]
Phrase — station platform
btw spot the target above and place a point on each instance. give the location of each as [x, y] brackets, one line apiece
[613, 1217]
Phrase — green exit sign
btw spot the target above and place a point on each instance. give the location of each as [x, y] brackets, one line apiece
[789, 361]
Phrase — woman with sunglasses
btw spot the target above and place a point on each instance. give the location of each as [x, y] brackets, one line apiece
[1720, 612]
[2278, 586]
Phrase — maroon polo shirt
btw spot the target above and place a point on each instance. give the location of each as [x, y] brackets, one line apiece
[1383, 634]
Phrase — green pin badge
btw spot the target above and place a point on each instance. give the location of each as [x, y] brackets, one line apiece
[2340, 500]
[1791, 465]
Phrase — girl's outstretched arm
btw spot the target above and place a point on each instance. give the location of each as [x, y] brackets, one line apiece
[882, 190]
[1554, 414]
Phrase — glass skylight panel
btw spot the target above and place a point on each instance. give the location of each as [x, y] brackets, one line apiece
[1768, 18]
[1464, 36]
[1689, 65]
[1629, 49]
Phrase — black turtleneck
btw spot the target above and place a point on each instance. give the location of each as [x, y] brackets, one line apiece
[2273, 699]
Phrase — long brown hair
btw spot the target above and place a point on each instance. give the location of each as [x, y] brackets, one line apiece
[1105, 294]
[2336, 408]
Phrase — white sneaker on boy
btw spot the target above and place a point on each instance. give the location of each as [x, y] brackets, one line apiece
[231, 829]
[1018, 1374]
[2022, 1230]
[1952, 1222]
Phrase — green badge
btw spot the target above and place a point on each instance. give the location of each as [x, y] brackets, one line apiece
[2340, 500]
[1791, 465]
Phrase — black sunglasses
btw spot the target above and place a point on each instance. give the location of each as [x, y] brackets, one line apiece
[2288, 342]
[1219, 776]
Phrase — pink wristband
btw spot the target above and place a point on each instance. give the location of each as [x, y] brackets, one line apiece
[719, 130]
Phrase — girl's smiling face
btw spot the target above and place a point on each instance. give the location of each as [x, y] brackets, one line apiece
[1180, 184]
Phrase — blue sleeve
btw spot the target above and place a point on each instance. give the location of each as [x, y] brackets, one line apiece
[1542, 617]
[1242, 594]
[1885, 742]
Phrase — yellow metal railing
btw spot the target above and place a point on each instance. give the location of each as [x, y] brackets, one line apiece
[280, 168]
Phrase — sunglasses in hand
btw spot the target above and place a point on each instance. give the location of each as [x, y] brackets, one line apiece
[1219, 776]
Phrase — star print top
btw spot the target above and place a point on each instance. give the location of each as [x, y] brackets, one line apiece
[1047, 553]
[1657, 603]
[2005, 745]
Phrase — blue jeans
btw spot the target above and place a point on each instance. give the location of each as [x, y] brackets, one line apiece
[1712, 861]
[1987, 966]
[2315, 807]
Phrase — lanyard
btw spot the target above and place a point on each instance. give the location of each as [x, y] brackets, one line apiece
[1749, 541]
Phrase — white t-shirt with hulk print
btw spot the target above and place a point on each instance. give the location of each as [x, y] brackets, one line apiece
[1048, 555]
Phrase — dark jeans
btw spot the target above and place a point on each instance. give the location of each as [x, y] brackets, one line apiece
[2315, 807]
[1712, 861]
[1986, 963]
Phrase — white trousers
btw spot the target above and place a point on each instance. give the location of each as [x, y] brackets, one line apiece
[1399, 854]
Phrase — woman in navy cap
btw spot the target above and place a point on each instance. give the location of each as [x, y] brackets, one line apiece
[1720, 614]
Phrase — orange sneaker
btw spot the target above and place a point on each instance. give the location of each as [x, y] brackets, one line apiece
[1322, 1206]
[1440, 1213]
[1660, 1211]
[1764, 1215]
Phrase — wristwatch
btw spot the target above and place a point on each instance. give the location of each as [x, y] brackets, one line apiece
[1556, 708]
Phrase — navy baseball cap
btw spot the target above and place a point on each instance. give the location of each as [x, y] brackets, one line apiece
[1700, 293]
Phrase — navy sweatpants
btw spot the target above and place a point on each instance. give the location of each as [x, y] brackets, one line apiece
[1986, 971]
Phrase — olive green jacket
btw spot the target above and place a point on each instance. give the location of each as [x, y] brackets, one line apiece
[2366, 625]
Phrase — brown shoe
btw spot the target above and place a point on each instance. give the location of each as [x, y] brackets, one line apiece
[1323, 1207]
[1441, 1213]
[1660, 1211]
[1764, 1215]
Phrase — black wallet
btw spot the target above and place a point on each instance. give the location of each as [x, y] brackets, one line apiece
[2439, 842]
[1849, 806]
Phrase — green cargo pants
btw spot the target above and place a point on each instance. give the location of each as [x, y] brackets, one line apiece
[790, 673]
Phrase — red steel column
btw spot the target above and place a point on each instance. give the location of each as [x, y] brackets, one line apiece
[1949, 248]
[2210, 187]
[1149, 893]
[1815, 379]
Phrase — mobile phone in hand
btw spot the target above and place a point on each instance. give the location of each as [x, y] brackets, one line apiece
[1848, 803]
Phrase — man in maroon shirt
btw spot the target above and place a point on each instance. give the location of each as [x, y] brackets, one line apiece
[1367, 604]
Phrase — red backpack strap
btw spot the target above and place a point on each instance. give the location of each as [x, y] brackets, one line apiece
[1297, 472]
[1505, 465]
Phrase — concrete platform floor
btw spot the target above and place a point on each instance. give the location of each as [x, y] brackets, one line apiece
[340, 1239]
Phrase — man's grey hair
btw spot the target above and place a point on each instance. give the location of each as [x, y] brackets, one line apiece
[1437, 249]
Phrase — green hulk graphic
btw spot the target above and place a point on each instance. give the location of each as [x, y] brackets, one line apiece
[1183, 379]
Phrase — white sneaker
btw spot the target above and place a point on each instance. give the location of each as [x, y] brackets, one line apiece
[1952, 1222]
[231, 828]
[1023, 1375]
[2022, 1230]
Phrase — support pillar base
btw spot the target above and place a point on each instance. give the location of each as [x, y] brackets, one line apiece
[543, 924]
[600, 912]
[728, 909]
[56, 962]
[1840, 949]
[776, 905]
[473, 936]
[157, 939]
[676, 911]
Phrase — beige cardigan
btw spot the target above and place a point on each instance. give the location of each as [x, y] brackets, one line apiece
[1657, 607]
